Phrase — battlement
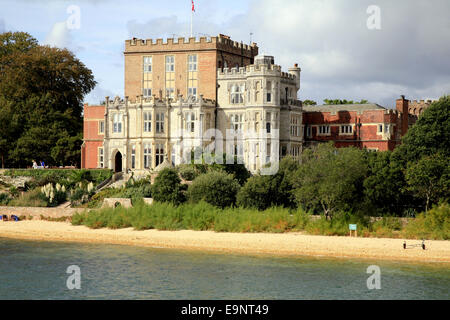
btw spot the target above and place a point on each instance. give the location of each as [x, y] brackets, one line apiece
[253, 69]
[154, 101]
[190, 44]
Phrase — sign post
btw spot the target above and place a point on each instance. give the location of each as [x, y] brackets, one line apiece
[352, 227]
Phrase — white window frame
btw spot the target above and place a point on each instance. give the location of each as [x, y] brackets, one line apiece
[148, 64]
[147, 122]
[147, 154]
[236, 96]
[237, 121]
[133, 156]
[101, 127]
[190, 121]
[323, 130]
[192, 62]
[170, 63]
[159, 154]
[346, 129]
[160, 122]
[117, 123]
[101, 157]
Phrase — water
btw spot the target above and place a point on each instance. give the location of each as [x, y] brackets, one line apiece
[37, 270]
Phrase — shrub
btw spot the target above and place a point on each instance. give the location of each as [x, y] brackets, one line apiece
[187, 172]
[217, 188]
[4, 199]
[257, 193]
[432, 225]
[167, 187]
[33, 198]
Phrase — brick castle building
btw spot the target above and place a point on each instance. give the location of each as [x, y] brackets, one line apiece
[177, 91]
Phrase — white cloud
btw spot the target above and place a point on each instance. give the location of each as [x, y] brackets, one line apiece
[59, 36]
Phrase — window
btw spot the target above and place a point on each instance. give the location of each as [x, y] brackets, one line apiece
[237, 121]
[101, 127]
[346, 129]
[159, 156]
[147, 122]
[100, 158]
[268, 152]
[190, 120]
[117, 123]
[324, 130]
[170, 77]
[147, 155]
[133, 157]
[192, 75]
[269, 91]
[160, 122]
[380, 128]
[238, 151]
[268, 123]
[295, 151]
[170, 64]
[192, 59]
[147, 64]
[147, 78]
[308, 132]
[236, 94]
[295, 126]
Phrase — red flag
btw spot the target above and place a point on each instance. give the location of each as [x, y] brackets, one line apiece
[193, 9]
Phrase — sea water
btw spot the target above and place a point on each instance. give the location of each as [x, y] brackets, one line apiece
[38, 270]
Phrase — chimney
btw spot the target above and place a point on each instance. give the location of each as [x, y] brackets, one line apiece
[402, 105]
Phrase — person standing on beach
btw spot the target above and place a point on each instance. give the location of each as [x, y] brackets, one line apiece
[35, 166]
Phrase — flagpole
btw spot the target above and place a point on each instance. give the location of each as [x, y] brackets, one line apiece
[192, 18]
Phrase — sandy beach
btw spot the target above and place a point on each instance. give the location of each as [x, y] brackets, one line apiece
[288, 244]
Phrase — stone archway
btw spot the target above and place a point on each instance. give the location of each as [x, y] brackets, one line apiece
[118, 162]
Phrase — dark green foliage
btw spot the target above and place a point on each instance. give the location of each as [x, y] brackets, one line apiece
[216, 187]
[41, 98]
[330, 179]
[384, 186]
[429, 179]
[430, 135]
[168, 188]
[339, 101]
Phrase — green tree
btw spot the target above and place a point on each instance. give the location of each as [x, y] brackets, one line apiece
[339, 101]
[167, 187]
[41, 94]
[262, 192]
[429, 178]
[430, 135]
[309, 103]
[330, 178]
[217, 188]
[384, 185]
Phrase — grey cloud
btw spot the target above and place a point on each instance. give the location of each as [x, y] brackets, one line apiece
[339, 56]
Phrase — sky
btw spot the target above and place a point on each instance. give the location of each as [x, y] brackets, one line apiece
[359, 49]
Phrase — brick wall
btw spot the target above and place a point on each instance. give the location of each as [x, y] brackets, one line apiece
[92, 138]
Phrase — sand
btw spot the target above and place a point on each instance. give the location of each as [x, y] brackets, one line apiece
[287, 244]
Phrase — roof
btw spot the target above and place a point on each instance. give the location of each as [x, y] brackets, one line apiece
[343, 107]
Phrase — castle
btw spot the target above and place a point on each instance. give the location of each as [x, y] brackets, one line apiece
[219, 96]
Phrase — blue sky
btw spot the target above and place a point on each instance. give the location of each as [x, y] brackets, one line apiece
[339, 56]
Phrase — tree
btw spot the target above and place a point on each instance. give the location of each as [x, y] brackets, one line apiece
[339, 101]
[330, 178]
[262, 192]
[429, 178]
[41, 94]
[167, 187]
[217, 188]
[430, 135]
[309, 103]
[384, 185]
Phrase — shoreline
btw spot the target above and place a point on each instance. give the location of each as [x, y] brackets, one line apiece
[283, 244]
